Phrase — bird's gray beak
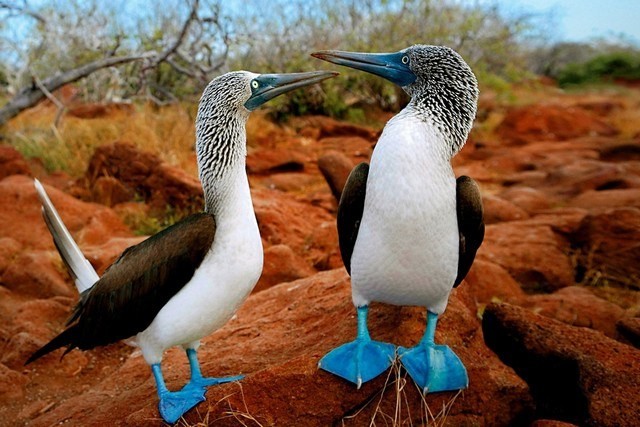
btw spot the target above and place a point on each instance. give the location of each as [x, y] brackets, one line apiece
[387, 65]
[268, 86]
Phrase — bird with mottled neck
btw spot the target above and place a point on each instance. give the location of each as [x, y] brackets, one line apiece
[185, 282]
[408, 230]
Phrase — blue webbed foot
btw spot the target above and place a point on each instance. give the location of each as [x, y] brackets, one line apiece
[359, 361]
[197, 381]
[433, 367]
[173, 404]
[203, 382]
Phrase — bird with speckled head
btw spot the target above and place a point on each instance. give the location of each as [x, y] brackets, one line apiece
[408, 229]
[187, 281]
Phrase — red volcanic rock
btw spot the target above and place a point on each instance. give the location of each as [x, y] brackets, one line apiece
[110, 191]
[29, 263]
[577, 306]
[601, 106]
[533, 254]
[12, 384]
[9, 250]
[575, 374]
[529, 199]
[36, 274]
[579, 176]
[275, 160]
[290, 181]
[488, 281]
[621, 151]
[599, 200]
[335, 168]
[497, 209]
[529, 178]
[551, 122]
[354, 147]
[88, 111]
[95, 111]
[142, 174]
[629, 329]
[309, 230]
[281, 265]
[565, 221]
[477, 170]
[609, 246]
[328, 127]
[551, 423]
[12, 162]
[34, 316]
[276, 339]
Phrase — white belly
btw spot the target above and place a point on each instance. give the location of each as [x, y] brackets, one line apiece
[218, 288]
[406, 252]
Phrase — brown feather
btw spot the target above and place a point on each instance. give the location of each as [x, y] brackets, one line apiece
[137, 285]
[470, 223]
[350, 211]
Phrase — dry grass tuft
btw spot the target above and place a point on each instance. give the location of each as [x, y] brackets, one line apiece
[395, 388]
[167, 131]
[243, 417]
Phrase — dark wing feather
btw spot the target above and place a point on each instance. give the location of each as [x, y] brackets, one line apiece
[137, 285]
[470, 223]
[350, 211]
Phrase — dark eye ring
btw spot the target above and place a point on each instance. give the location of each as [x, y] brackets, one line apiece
[254, 84]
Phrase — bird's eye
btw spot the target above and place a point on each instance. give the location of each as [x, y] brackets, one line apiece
[405, 59]
[254, 84]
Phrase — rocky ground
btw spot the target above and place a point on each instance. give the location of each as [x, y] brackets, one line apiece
[547, 321]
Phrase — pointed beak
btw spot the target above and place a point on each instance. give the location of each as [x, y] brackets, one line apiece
[386, 65]
[272, 85]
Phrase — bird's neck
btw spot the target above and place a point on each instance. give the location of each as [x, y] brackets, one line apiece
[221, 149]
[229, 200]
[420, 133]
[445, 113]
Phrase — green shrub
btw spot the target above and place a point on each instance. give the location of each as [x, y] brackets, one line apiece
[602, 68]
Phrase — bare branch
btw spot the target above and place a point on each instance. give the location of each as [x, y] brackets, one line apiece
[29, 96]
[193, 14]
[22, 11]
[52, 98]
[179, 68]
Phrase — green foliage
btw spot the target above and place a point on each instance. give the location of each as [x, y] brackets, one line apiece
[327, 99]
[602, 68]
[289, 31]
[264, 40]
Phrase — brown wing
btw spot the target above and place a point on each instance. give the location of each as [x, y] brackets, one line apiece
[470, 223]
[135, 287]
[350, 211]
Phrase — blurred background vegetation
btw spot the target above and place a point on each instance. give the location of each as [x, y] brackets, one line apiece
[166, 52]
[188, 42]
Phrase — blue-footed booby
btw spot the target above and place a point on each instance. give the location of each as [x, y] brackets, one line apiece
[185, 282]
[408, 230]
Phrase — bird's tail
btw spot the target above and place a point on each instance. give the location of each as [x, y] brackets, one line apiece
[80, 268]
[65, 338]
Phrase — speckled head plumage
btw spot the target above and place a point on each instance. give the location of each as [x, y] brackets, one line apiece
[224, 108]
[443, 89]
[220, 123]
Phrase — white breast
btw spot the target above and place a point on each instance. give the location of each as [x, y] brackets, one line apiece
[219, 286]
[406, 252]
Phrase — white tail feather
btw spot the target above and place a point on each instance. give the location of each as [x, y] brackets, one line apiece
[80, 268]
